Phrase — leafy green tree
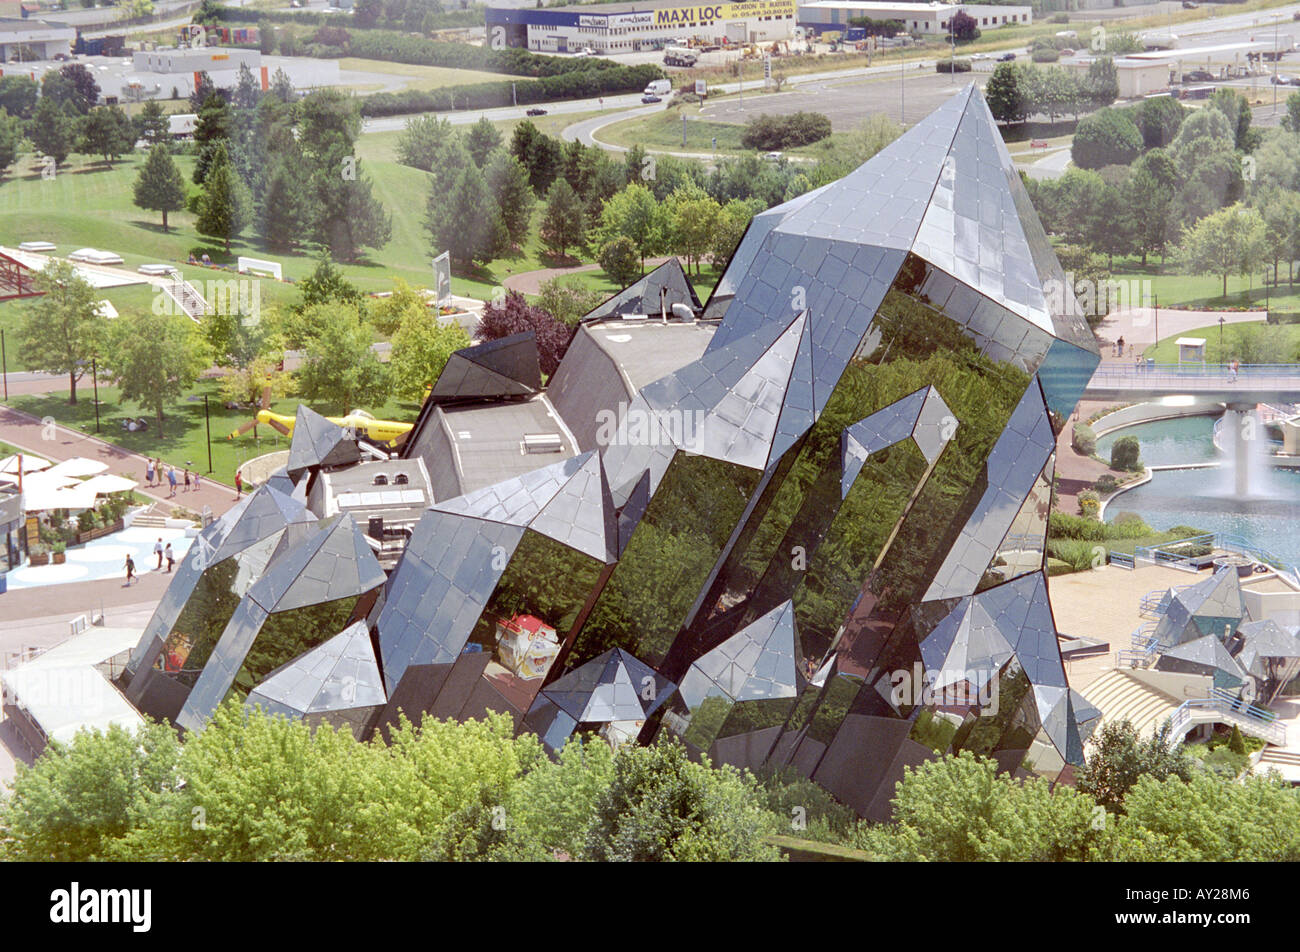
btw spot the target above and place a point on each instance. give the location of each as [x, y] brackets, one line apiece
[152, 125]
[507, 181]
[1101, 84]
[421, 347]
[107, 131]
[52, 131]
[618, 259]
[1119, 758]
[79, 798]
[961, 809]
[284, 209]
[1208, 819]
[223, 207]
[1005, 95]
[466, 220]
[563, 224]
[11, 139]
[346, 215]
[1277, 162]
[1230, 241]
[62, 329]
[690, 217]
[541, 155]
[73, 85]
[568, 299]
[1150, 195]
[660, 806]
[1158, 119]
[247, 91]
[733, 218]
[1208, 164]
[1107, 137]
[386, 314]
[423, 140]
[632, 214]
[19, 95]
[1281, 213]
[482, 139]
[160, 187]
[326, 283]
[1291, 121]
[155, 358]
[1236, 109]
[340, 368]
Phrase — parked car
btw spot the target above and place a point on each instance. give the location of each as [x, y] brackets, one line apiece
[1279, 80]
[651, 97]
[1067, 52]
[1006, 57]
[535, 111]
[1190, 4]
[1199, 76]
[773, 156]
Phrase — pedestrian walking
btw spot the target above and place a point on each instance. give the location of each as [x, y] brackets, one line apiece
[1234, 367]
[130, 570]
[171, 479]
[187, 481]
[171, 559]
[239, 484]
[158, 551]
[148, 473]
[1121, 347]
[196, 482]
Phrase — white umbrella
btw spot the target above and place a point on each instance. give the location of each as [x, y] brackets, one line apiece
[46, 480]
[106, 483]
[44, 495]
[79, 466]
[30, 464]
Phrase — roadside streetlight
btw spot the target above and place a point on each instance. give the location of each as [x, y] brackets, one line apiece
[1222, 355]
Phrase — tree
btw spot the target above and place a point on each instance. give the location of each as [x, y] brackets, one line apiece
[423, 141]
[421, 347]
[1236, 109]
[1101, 85]
[632, 214]
[1150, 196]
[160, 187]
[73, 85]
[212, 129]
[690, 217]
[11, 139]
[155, 358]
[107, 131]
[959, 808]
[733, 218]
[52, 131]
[346, 215]
[284, 210]
[78, 798]
[1119, 757]
[618, 259]
[563, 224]
[1125, 454]
[660, 806]
[340, 368]
[152, 124]
[247, 91]
[1158, 119]
[507, 181]
[281, 86]
[516, 316]
[1230, 241]
[1281, 213]
[223, 207]
[541, 155]
[19, 95]
[1005, 94]
[568, 299]
[964, 27]
[62, 329]
[326, 283]
[1277, 162]
[482, 140]
[466, 221]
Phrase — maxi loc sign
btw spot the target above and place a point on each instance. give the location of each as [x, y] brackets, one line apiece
[710, 13]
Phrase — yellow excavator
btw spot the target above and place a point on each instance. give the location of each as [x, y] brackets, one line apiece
[377, 431]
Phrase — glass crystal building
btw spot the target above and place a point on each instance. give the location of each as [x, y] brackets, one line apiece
[801, 527]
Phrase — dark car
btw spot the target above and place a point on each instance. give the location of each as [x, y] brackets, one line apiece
[535, 111]
[1006, 57]
[651, 97]
[1190, 4]
[1198, 76]
[1279, 80]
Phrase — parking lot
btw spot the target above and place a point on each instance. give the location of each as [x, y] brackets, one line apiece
[916, 92]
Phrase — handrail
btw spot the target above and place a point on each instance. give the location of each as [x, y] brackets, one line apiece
[1118, 370]
[1252, 719]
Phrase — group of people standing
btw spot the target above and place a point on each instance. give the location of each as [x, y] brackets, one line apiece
[153, 469]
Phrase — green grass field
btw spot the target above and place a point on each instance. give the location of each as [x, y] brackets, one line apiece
[416, 77]
[1166, 351]
[184, 440]
[1170, 289]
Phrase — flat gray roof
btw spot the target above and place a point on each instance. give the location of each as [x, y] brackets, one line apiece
[647, 350]
[488, 441]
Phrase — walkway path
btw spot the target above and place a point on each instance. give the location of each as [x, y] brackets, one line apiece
[1138, 326]
[530, 282]
[53, 442]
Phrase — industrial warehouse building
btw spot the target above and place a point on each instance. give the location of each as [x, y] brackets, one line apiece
[627, 27]
[23, 40]
[822, 16]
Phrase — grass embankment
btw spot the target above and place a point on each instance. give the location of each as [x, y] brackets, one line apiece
[1288, 337]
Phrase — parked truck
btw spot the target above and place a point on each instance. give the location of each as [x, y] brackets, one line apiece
[680, 56]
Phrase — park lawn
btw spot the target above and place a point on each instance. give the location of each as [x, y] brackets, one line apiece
[1169, 289]
[1166, 351]
[184, 441]
[663, 130]
[420, 77]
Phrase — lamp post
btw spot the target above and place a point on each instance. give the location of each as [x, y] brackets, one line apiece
[94, 380]
[207, 423]
[4, 364]
[1222, 355]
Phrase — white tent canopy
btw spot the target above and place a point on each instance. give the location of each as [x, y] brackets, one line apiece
[79, 466]
[106, 483]
[47, 494]
[30, 463]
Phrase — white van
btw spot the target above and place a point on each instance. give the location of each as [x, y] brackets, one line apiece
[658, 87]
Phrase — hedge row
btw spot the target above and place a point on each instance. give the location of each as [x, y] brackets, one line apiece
[420, 51]
[487, 95]
[437, 21]
[952, 66]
